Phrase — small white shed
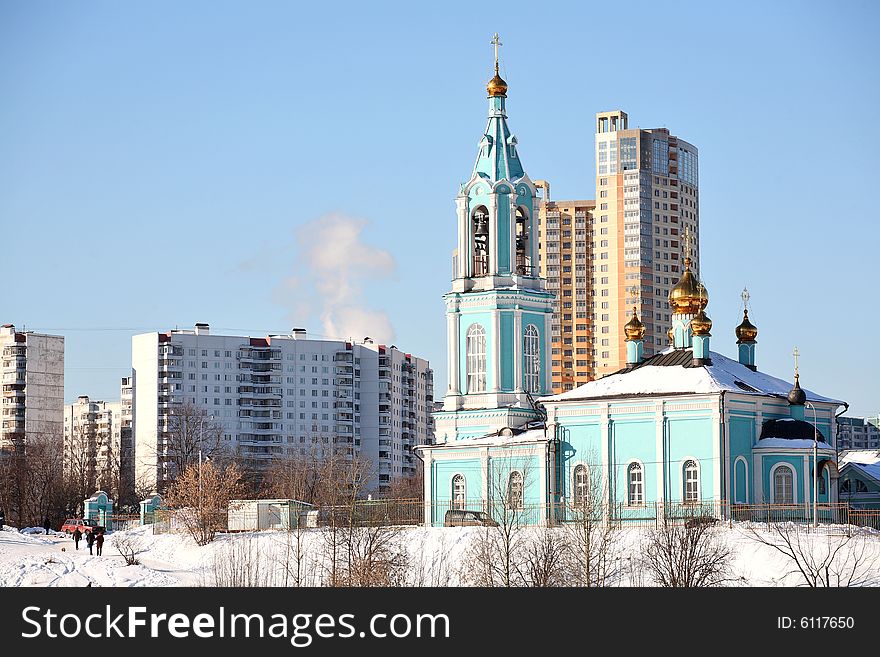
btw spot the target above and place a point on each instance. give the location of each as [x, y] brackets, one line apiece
[258, 515]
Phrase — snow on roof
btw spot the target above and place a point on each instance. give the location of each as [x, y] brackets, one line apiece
[866, 460]
[789, 443]
[495, 440]
[724, 374]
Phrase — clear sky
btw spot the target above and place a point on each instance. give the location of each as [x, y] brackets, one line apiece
[163, 163]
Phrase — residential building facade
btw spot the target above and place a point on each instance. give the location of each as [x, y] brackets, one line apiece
[93, 444]
[858, 432]
[647, 199]
[32, 372]
[281, 396]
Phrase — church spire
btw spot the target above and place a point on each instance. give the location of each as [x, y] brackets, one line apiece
[498, 158]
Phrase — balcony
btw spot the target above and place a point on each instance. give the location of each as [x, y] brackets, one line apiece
[343, 357]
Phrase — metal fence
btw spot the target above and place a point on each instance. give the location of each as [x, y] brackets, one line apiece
[397, 512]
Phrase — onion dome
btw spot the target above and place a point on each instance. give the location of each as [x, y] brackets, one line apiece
[701, 324]
[689, 296]
[797, 397]
[497, 86]
[634, 329]
[746, 332]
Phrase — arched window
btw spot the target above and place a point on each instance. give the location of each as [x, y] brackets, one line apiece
[476, 359]
[531, 359]
[480, 225]
[845, 486]
[691, 478]
[861, 486]
[459, 492]
[783, 485]
[515, 491]
[580, 484]
[821, 479]
[523, 260]
[635, 489]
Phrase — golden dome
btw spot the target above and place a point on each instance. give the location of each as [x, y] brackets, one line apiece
[746, 332]
[497, 86]
[634, 329]
[689, 296]
[701, 324]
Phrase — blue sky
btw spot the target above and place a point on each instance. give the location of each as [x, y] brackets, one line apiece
[165, 163]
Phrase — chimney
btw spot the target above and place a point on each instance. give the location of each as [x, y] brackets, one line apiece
[202, 328]
[298, 333]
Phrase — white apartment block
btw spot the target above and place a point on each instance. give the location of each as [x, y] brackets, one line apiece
[32, 371]
[858, 433]
[281, 396]
[93, 443]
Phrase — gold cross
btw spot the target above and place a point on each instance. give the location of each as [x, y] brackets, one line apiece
[796, 355]
[687, 241]
[496, 41]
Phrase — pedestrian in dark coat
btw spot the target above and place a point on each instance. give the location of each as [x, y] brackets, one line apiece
[76, 536]
[90, 540]
[99, 542]
[46, 525]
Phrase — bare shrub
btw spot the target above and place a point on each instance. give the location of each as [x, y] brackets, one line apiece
[826, 558]
[545, 557]
[128, 546]
[689, 554]
[240, 562]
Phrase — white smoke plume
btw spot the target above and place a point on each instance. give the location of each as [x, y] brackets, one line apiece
[333, 266]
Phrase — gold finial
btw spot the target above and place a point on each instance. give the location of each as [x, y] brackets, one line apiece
[687, 247]
[634, 329]
[497, 86]
[796, 355]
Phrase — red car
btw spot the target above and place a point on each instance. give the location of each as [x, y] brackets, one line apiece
[84, 525]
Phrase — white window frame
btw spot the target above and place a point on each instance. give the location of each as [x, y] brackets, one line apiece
[630, 498]
[736, 491]
[515, 491]
[532, 359]
[459, 501]
[580, 488]
[773, 473]
[690, 496]
[475, 357]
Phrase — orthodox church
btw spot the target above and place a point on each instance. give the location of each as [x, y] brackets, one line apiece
[684, 426]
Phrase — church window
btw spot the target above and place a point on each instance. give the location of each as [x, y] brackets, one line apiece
[691, 482]
[459, 492]
[580, 485]
[476, 359]
[783, 485]
[523, 259]
[822, 490]
[635, 492]
[531, 359]
[515, 491]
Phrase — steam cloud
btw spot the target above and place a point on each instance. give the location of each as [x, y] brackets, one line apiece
[333, 266]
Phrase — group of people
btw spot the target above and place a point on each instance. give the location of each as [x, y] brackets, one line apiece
[95, 539]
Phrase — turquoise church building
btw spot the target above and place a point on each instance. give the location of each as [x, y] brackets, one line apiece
[686, 426]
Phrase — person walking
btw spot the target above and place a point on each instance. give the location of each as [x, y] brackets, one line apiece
[90, 540]
[99, 542]
[46, 525]
[76, 536]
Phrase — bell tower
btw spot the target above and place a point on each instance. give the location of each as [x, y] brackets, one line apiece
[498, 311]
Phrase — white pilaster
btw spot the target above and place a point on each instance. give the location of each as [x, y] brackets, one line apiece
[716, 453]
[496, 352]
[517, 350]
[465, 256]
[492, 206]
[484, 463]
[659, 449]
[453, 347]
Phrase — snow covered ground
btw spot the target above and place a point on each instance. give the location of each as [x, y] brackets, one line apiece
[436, 556]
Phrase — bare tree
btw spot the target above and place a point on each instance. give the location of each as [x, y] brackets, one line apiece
[80, 456]
[191, 432]
[823, 559]
[590, 533]
[495, 555]
[31, 482]
[201, 495]
[688, 554]
[545, 558]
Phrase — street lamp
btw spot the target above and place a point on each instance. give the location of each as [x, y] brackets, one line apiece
[815, 465]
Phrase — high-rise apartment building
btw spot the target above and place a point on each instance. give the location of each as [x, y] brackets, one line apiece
[126, 442]
[32, 370]
[281, 395]
[647, 197]
[93, 447]
[858, 433]
[565, 237]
